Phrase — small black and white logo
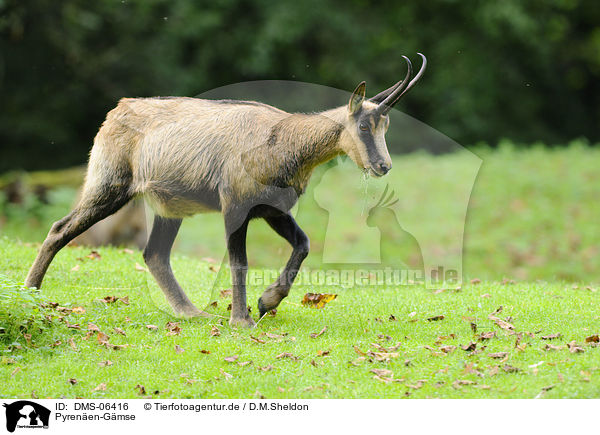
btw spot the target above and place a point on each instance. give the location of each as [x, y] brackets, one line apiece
[25, 414]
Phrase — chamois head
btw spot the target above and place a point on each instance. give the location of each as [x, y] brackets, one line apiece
[368, 122]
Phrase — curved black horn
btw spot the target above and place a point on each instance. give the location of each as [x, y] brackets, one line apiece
[386, 105]
[398, 88]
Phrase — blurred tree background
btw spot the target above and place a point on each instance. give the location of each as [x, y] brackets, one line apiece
[523, 70]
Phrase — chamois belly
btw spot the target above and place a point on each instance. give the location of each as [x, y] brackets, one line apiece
[176, 202]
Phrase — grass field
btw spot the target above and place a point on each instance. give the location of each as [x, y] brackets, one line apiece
[528, 328]
[384, 342]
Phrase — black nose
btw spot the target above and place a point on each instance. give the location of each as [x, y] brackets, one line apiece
[382, 168]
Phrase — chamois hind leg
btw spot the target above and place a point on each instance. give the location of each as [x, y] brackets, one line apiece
[157, 256]
[285, 225]
[97, 202]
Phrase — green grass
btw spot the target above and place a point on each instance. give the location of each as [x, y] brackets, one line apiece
[357, 318]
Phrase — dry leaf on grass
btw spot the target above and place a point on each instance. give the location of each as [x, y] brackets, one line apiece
[105, 363]
[257, 340]
[318, 334]
[94, 255]
[592, 339]
[179, 349]
[141, 389]
[72, 381]
[501, 323]
[448, 349]
[214, 331]
[469, 347]
[498, 355]
[152, 327]
[226, 293]
[417, 384]
[486, 335]
[459, 383]
[551, 336]
[100, 387]
[382, 372]
[436, 318]
[358, 351]
[173, 328]
[574, 347]
[317, 300]
[287, 355]
[231, 359]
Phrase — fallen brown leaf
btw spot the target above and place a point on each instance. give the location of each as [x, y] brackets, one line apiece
[501, 323]
[105, 363]
[574, 347]
[498, 355]
[510, 369]
[173, 328]
[459, 383]
[323, 352]
[100, 387]
[226, 293]
[120, 331]
[231, 359]
[179, 349]
[448, 349]
[94, 255]
[436, 318]
[382, 372]
[551, 336]
[469, 347]
[141, 389]
[152, 327]
[318, 334]
[287, 355]
[486, 335]
[592, 339]
[317, 300]
[417, 385]
[72, 381]
[214, 331]
[256, 339]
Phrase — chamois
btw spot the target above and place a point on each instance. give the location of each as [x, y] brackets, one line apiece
[243, 158]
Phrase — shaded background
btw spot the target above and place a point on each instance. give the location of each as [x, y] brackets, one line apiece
[527, 71]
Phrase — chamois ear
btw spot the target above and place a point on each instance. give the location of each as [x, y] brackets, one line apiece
[357, 98]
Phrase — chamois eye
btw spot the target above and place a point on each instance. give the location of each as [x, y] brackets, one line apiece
[363, 126]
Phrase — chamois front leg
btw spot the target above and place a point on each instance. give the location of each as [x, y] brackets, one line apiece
[286, 227]
[235, 229]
